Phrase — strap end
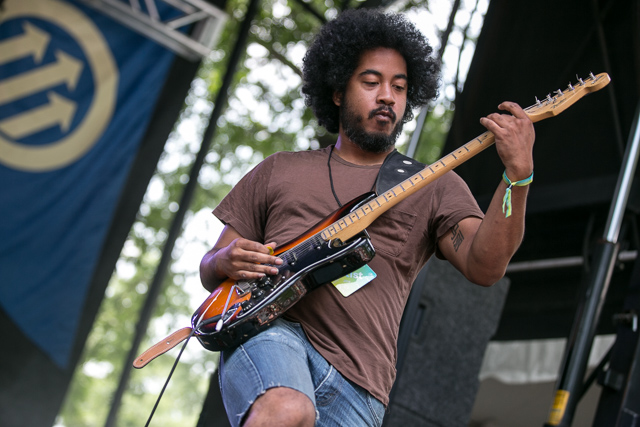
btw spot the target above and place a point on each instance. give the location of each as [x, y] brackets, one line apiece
[162, 347]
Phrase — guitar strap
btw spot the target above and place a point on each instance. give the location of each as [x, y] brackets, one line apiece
[162, 347]
[396, 168]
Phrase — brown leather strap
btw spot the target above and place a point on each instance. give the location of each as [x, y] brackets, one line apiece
[162, 347]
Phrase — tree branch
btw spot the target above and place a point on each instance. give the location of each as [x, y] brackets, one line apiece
[279, 56]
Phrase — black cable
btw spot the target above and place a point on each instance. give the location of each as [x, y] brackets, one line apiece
[175, 364]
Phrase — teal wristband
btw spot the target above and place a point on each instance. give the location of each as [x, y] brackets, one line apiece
[506, 200]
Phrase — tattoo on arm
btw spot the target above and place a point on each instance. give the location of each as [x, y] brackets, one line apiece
[456, 237]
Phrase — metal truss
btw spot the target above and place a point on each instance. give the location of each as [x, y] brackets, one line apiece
[145, 19]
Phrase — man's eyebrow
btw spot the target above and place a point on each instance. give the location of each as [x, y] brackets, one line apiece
[378, 73]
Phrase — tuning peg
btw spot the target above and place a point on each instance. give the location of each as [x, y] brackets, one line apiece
[559, 92]
[591, 76]
[579, 80]
[571, 86]
[538, 101]
[549, 98]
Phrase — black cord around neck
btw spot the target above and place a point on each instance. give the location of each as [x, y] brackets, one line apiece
[333, 190]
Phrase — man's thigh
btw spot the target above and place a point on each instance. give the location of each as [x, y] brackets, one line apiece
[274, 358]
[282, 356]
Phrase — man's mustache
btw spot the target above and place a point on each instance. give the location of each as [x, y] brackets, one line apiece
[385, 109]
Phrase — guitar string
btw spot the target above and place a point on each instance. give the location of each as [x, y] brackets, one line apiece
[361, 208]
[317, 238]
[293, 253]
[307, 243]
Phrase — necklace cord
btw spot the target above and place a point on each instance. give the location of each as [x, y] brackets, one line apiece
[333, 190]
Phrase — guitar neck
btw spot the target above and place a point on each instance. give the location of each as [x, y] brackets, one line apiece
[356, 221]
[363, 216]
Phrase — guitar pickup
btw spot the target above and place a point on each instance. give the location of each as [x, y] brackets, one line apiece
[294, 258]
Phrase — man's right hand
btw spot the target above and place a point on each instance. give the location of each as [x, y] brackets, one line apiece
[237, 258]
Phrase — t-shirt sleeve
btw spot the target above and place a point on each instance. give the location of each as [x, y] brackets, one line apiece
[245, 207]
[453, 202]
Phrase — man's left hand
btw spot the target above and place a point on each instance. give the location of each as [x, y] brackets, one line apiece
[515, 136]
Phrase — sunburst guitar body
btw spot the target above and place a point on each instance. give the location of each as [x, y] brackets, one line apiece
[238, 310]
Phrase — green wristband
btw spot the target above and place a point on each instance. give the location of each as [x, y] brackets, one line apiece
[506, 200]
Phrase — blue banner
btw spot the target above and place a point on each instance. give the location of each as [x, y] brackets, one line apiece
[77, 91]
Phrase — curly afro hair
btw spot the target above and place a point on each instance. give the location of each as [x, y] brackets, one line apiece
[334, 55]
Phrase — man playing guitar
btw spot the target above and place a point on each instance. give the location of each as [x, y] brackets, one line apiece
[330, 359]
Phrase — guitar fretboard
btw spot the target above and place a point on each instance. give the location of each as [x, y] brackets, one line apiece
[361, 217]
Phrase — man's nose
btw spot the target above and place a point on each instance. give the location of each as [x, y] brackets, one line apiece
[385, 95]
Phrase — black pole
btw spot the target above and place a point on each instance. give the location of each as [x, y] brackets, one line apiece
[176, 225]
[570, 382]
[576, 354]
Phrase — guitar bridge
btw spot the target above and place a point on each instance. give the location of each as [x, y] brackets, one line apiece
[242, 287]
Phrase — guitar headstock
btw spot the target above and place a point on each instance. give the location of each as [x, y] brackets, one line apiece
[561, 100]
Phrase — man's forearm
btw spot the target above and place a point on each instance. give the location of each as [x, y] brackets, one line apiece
[498, 237]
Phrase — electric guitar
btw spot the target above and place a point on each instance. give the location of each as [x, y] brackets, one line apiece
[336, 246]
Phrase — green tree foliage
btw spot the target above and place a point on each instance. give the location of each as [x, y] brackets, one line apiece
[265, 114]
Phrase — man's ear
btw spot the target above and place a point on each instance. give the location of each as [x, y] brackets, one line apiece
[337, 98]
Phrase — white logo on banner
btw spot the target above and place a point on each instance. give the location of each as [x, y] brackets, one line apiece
[43, 78]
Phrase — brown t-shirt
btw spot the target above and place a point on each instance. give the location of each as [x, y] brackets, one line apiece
[288, 193]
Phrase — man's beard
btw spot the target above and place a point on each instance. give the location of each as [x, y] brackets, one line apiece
[374, 142]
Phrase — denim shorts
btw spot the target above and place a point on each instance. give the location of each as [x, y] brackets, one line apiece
[281, 356]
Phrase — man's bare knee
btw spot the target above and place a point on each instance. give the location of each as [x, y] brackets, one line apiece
[281, 406]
